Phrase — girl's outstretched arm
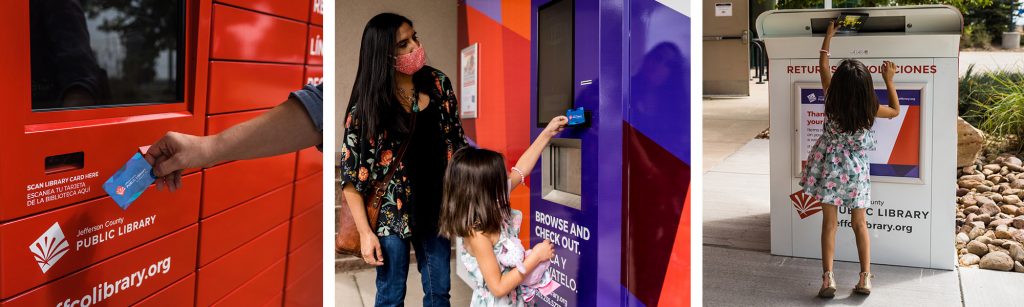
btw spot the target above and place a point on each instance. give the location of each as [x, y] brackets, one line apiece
[893, 109]
[823, 66]
[530, 156]
[499, 284]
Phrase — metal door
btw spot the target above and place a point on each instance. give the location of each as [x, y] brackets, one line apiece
[726, 48]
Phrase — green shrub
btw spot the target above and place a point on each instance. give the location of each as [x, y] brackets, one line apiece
[993, 102]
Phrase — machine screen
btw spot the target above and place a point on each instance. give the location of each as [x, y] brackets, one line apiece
[554, 60]
[106, 53]
[851, 22]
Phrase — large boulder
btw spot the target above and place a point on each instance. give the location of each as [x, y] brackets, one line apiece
[969, 143]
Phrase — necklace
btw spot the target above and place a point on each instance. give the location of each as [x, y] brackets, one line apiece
[408, 97]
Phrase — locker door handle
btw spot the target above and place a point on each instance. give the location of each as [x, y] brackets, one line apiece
[745, 37]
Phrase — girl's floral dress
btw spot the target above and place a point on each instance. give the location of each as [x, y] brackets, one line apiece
[510, 252]
[838, 168]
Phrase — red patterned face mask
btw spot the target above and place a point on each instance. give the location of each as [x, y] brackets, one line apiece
[411, 62]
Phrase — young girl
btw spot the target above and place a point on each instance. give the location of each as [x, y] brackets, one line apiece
[476, 213]
[837, 171]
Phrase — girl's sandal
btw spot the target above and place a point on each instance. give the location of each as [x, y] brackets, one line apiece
[828, 290]
[865, 287]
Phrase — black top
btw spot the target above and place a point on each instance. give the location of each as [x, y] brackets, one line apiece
[426, 161]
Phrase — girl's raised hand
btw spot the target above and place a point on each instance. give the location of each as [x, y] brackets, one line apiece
[888, 70]
[555, 126]
[832, 28]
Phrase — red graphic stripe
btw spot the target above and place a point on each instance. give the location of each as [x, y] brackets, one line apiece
[907, 150]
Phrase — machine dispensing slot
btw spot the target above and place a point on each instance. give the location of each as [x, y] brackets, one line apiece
[562, 173]
[64, 162]
[875, 24]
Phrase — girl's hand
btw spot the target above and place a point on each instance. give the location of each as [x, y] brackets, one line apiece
[832, 28]
[543, 251]
[370, 248]
[888, 71]
[555, 126]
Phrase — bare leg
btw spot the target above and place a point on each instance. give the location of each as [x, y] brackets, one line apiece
[829, 224]
[860, 230]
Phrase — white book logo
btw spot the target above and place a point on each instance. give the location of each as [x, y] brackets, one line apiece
[812, 98]
[49, 247]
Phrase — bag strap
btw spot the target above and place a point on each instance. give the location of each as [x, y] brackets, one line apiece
[381, 186]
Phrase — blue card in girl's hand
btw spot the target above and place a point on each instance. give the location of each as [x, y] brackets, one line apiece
[130, 181]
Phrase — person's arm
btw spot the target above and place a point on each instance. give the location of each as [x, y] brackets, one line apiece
[824, 69]
[529, 158]
[893, 109]
[501, 284]
[368, 241]
[283, 129]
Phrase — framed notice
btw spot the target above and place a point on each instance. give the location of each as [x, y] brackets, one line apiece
[470, 57]
[897, 153]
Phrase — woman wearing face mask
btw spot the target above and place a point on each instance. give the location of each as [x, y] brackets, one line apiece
[394, 96]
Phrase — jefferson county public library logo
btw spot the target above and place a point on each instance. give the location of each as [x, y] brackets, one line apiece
[805, 204]
[812, 98]
[120, 190]
[49, 247]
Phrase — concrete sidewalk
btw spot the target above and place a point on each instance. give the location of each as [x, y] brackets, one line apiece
[358, 288]
[739, 270]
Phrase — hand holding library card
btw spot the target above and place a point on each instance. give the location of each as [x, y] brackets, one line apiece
[128, 183]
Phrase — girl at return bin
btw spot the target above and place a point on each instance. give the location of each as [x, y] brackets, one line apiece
[838, 169]
[476, 213]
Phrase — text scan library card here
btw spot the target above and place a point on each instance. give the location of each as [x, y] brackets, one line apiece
[130, 181]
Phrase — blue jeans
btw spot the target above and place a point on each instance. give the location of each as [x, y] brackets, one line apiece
[433, 258]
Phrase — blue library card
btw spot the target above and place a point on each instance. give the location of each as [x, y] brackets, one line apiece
[130, 181]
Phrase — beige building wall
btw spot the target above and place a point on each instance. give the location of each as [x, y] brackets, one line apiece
[436, 21]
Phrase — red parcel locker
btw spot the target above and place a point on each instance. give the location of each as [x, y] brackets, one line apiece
[121, 280]
[304, 258]
[235, 37]
[48, 246]
[264, 288]
[238, 86]
[305, 227]
[229, 184]
[225, 231]
[316, 12]
[227, 273]
[69, 121]
[308, 193]
[181, 293]
[297, 10]
[315, 49]
[307, 290]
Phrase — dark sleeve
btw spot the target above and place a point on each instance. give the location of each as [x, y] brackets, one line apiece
[356, 155]
[312, 98]
[454, 134]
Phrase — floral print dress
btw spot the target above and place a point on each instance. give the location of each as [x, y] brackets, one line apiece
[509, 252]
[838, 168]
[364, 162]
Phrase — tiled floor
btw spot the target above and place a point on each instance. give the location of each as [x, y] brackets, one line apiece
[357, 288]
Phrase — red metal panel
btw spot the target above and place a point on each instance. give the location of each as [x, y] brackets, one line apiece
[229, 184]
[316, 12]
[298, 10]
[305, 226]
[99, 133]
[311, 161]
[181, 293]
[261, 289]
[304, 258]
[238, 86]
[315, 46]
[220, 277]
[308, 193]
[94, 230]
[121, 280]
[249, 36]
[227, 230]
[314, 74]
[276, 301]
[218, 123]
[308, 290]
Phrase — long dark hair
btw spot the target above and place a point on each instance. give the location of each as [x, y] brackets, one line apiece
[475, 193]
[373, 93]
[851, 102]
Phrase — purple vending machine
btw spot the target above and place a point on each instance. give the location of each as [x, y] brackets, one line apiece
[611, 193]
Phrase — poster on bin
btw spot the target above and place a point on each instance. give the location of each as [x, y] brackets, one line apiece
[897, 152]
